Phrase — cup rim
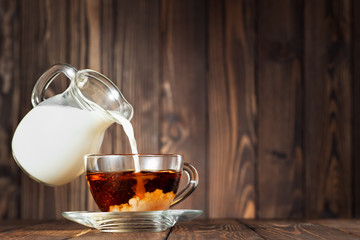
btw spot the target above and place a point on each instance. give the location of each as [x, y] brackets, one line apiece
[133, 154]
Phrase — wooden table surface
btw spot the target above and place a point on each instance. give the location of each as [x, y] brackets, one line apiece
[196, 229]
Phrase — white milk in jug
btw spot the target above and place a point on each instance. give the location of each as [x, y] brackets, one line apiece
[51, 140]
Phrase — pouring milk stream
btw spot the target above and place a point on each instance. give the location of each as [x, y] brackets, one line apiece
[51, 140]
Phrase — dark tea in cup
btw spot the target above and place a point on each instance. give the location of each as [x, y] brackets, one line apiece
[133, 191]
[135, 182]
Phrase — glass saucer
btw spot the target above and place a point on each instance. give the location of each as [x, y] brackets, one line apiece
[150, 221]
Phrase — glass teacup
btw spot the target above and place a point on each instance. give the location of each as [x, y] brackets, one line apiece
[117, 186]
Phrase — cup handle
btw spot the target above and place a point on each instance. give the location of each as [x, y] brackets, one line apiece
[193, 180]
[38, 93]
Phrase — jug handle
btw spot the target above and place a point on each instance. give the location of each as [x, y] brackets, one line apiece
[38, 93]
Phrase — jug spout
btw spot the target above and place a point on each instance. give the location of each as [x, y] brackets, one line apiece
[94, 91]
[127, 110]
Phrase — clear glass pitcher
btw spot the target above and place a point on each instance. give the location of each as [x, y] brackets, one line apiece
[50, 142]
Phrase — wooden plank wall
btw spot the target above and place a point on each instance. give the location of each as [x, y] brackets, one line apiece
[232, 109]
[328, 106]
[280, 160]
[262, 96]
[355, 107]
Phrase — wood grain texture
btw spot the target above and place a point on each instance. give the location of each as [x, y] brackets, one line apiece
[327, 137]
[356, 108]
[281, 229]
[183, 109]
[212, 229]
[196, 229]
[46, 230]
[67, 230]
[7, 225]
[232, 109]
[9, 107]
[279, 89]
[348, 226]
[95, 234]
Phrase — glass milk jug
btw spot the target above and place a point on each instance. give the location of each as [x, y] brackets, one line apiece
[50, 142]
